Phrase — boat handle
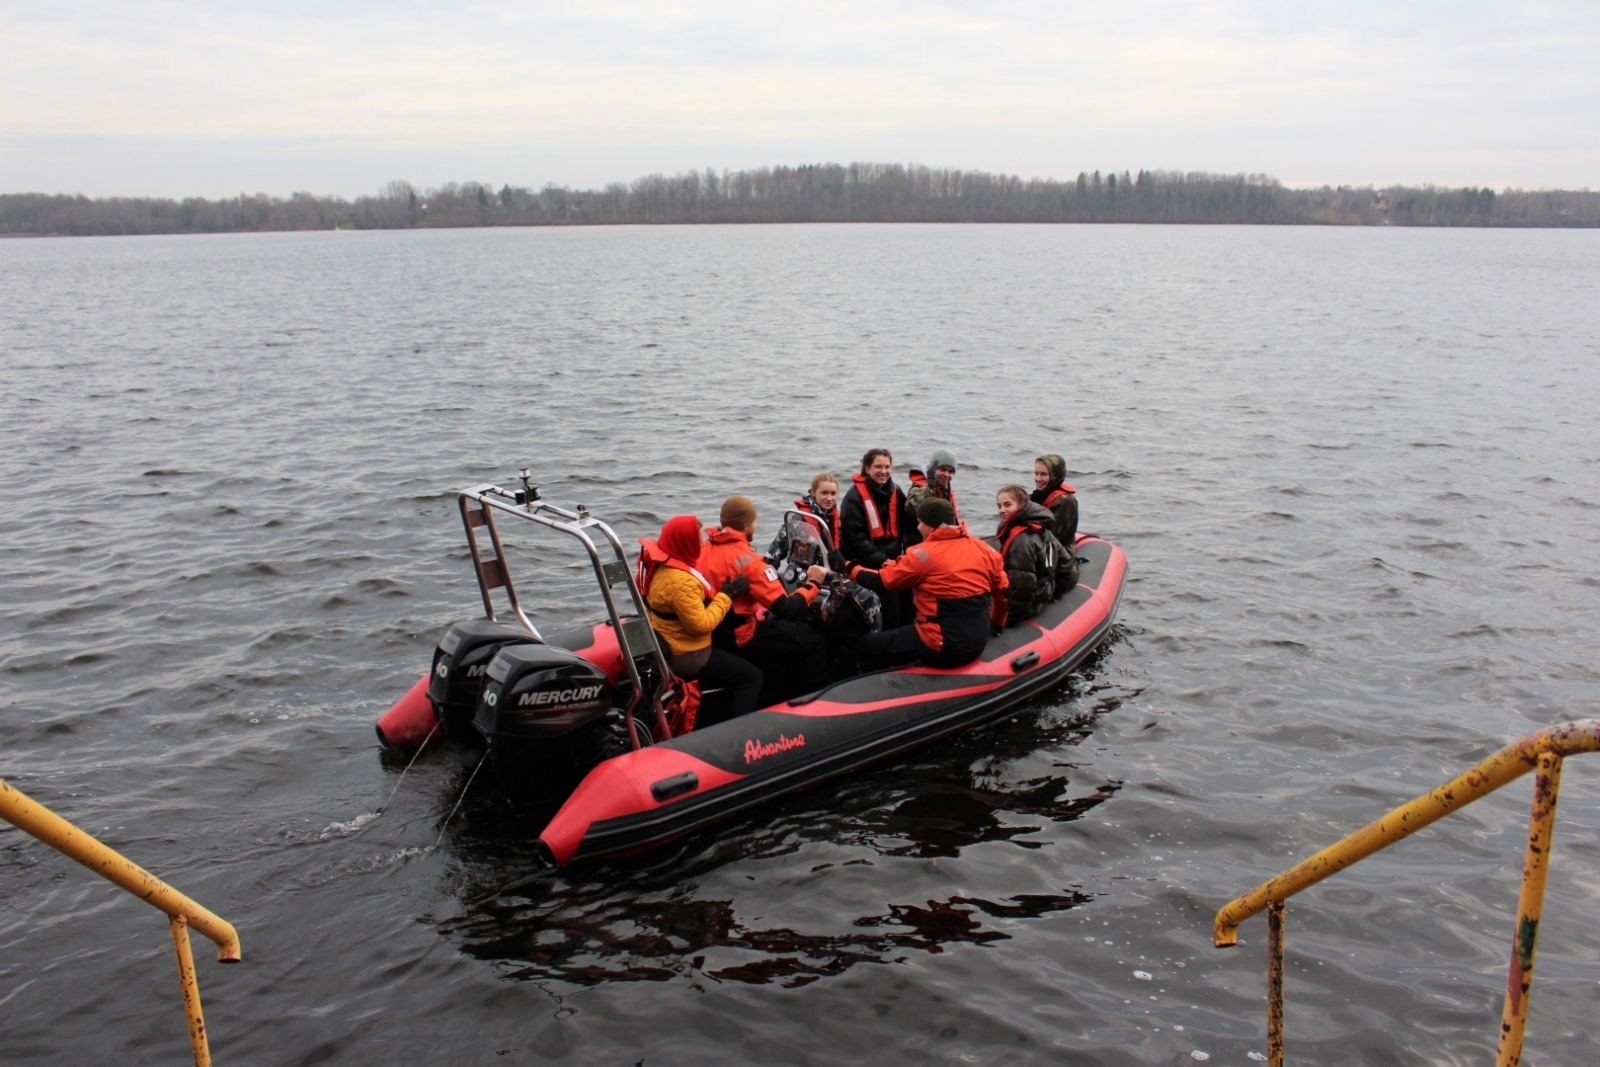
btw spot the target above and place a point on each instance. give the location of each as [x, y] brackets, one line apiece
[676, 786]
[1024, 661]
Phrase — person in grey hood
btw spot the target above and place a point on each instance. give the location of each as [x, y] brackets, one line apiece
[1039, 567]
[931, 482]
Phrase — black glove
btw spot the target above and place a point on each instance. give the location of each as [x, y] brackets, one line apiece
[736, 586]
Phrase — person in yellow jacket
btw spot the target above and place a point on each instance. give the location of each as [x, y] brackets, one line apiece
[684, 611]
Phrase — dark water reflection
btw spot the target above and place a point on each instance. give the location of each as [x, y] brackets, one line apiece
[640, 919]
[1355, 472]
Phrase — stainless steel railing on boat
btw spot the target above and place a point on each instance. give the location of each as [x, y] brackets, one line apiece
[1542, 752]
[33, 818]
[635, 637]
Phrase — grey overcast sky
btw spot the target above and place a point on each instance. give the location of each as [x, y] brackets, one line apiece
[168, 97]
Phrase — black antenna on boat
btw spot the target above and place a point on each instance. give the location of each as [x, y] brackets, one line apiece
[530, 492]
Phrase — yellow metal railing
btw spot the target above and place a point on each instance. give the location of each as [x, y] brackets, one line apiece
[34, 818]
[1541, 752]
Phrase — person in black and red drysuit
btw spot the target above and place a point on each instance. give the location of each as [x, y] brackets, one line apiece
[1058, 498]
[1038, 565]
[959, 589]
[767, 626]
[870, 515]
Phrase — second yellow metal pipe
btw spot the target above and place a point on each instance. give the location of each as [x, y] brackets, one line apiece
[1507, 765]
[1530, 908]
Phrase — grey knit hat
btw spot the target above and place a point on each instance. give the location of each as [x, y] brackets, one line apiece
[942, 457]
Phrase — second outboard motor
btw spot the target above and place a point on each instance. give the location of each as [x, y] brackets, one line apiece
[547, 716]
[460, 667]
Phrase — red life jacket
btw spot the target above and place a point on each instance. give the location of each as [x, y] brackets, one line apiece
[652, 557]
[869, 507]
[1057, 493]
[1016, 529]
[832, 527]
[918, 478]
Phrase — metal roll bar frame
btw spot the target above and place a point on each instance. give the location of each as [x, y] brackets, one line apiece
[636, 638]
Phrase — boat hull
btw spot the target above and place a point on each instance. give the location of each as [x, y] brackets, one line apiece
[644, 798]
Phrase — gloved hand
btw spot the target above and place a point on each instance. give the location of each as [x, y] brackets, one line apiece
[737, 586]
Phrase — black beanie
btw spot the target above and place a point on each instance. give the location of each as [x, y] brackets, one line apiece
[937, 511]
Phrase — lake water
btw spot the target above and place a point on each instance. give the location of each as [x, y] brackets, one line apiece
[1356, 473]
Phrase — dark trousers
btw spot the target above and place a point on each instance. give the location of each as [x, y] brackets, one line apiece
[793, 659]
[898, 605]
[898, 609]
[902, 646]
[737, 683]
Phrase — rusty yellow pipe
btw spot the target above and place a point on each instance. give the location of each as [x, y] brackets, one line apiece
[34, 818]
[1507, 765]
[1275, 984]
[191, 991]
[1530, 904]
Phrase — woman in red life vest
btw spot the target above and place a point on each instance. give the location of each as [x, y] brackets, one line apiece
[960, 588]
[821, 506]
[1038, 567]
[768, 626]
[1059, 498]
[870, 515]
[683, 612]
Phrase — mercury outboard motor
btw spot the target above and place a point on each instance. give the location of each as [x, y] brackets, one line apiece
[546, 714]
[460, 667]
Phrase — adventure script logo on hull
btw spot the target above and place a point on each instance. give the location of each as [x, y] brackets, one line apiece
[759, 750]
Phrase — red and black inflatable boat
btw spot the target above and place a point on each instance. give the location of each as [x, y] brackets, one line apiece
[539, 704]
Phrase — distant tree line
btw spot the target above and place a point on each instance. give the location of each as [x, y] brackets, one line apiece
[830, 192]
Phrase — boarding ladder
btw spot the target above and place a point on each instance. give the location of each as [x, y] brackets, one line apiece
[1541, 752]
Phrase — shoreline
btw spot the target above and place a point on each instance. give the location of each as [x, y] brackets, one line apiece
[1308, 224]
[826, 193]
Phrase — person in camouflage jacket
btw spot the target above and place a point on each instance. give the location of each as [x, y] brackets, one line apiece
[932, 482]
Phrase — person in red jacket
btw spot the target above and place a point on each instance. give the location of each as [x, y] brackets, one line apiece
[958, 585]
[767, 626]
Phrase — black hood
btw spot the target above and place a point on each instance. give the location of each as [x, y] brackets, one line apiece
[1029, 514]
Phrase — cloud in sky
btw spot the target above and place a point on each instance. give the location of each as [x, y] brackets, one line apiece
[170, 97]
